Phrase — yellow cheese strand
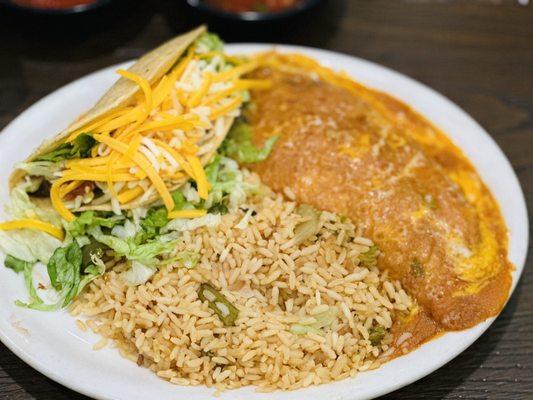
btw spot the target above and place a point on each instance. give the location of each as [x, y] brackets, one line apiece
[255, 84]
[69, 188]
[98, 122]
[102, 177]
[56, 200]
[109, 174]
[178, 157]
[143, 83]
[145, 165]
[242, 84]
[220, 111]
[27, 223]
[199, 174]
[128, 195]
[133, 115]
[186, 214]
[236, 72]
[182, 122]
[195, 98]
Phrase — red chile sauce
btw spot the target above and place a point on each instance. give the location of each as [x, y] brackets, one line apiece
[52, 4]
[238, 6]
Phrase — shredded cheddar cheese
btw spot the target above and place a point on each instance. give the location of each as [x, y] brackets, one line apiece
[55, 197]
[33, 224]
[187, 214]
[143, 83]
[162, 139]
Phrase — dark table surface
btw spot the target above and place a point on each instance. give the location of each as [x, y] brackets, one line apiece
[478, 53]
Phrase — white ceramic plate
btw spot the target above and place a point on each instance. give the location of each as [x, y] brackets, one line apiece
[54, 346]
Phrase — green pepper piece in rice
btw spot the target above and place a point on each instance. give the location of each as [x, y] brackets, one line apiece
[226, 311]
[376, 335]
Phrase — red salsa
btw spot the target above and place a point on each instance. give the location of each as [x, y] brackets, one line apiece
[52, 4]
[239, 6]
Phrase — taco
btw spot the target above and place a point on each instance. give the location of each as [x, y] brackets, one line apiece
[151, 132]
[143, 155]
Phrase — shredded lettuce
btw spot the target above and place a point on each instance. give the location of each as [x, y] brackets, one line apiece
[138, 273]
[66, 276]
[145, 253]
[179, 200]
[21, 206]
[128, 230]
[187, 258]
[238, 144]
[46, 169]
[89, 219]
[322, 320]
[156, 218]
[208, 42]
[26, 268]
[228, 188]
[64, 270]
[181, 225]
[228, 191]
[78, 148]
[35, 302]
[26, 244]
[16, 264]
[309, 228]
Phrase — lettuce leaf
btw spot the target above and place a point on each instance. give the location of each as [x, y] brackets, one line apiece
[16, 264]
[238, 145]
[28, 245]
[64, 270]
[25, 244]
[21, 206]
[78, 148]
[146, 253]
[139, 273]
[35, 302]
[66, 277]
[89, 219]
[47, 169]
[228, 188]
[322, 320]
[208, 42]
[187, 258]
[181, 225]
[155, 219]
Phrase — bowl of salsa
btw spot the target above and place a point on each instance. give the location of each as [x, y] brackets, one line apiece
[56, 6]
[252, 10]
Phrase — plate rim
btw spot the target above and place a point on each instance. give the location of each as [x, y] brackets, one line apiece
[470, 335]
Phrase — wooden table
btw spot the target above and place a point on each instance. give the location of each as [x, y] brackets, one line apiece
[477, 53]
